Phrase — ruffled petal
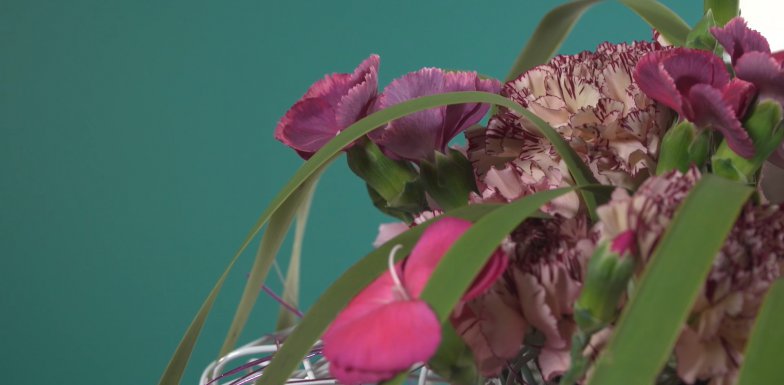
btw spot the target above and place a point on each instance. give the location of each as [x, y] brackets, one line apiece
[458, 117]
[764, 72]
[329, 106]
[738, 39]
[417, 136]
[307, 126]
[357, 101]
[739, 94]
[654, 81]
[688, 67]
[710, 109]
[383, 342]
[414, 136]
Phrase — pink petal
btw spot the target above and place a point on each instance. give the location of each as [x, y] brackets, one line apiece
[779, 57]
[737, 39]
[380, 292]
[387, 231]
[765, 72]
[459, 117]
[554, 362]
[739, 94]
[533, 301]
[383, 342]
[432, 245]
[692, 66]
[488, 275]
[357, 101]
[493, 331]
[329, 106]
[307, 126]
[416, 136]
[710, 109]
[654, 81]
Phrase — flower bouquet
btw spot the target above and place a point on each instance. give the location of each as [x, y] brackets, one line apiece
[613, 218]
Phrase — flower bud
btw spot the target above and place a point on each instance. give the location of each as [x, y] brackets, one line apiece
[764, 127]
[392, 184]
[448, 179]
[609, 271]
[682, 146]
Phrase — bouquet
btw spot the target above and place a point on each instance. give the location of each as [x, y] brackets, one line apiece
[613, 218]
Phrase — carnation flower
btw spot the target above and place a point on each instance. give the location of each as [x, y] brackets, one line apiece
[711, 344]
[415, 137]
[330, 105]
[593, 102]
[538, 291]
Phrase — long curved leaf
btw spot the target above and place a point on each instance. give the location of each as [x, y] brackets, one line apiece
[651, 322]
[318, 161]
[286, 318]
[337, 296]
[661, 18]
[548, 36]
[762, 362]
[273, 238]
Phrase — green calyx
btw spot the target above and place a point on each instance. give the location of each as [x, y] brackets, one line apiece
[682, 146]
[765, 129]
[448, 179]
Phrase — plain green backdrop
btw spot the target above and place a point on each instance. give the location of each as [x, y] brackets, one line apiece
[136, 151]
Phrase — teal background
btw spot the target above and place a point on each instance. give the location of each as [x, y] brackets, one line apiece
[136, 151]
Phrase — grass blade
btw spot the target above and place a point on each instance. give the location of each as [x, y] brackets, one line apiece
[290, 294]
[548, 36]
[661, 18]
[723, 10]
[652, 320]
[762, 362]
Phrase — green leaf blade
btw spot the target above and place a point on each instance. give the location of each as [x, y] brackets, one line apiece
[651, 322]
[549, 36]
[762, 361]
[661, 18]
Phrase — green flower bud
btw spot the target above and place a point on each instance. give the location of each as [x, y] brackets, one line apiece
[609, 271]
[765, 129]
[682, 146]
[449, 179]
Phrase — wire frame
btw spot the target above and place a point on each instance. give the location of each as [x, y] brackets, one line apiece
[246, 364]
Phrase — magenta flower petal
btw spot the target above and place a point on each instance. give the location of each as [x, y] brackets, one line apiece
[763, 71]
[432, 246]
[739, 94]
[713, 111]
[329, 106]
[428, 251]
[383, 342]
[738, 39]
[692, 66]
[654, 80]
[416, 136]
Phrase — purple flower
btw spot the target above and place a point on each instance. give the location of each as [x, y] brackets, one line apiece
[416, 136]
[330, 105]
[752, 59]
[696, 84]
